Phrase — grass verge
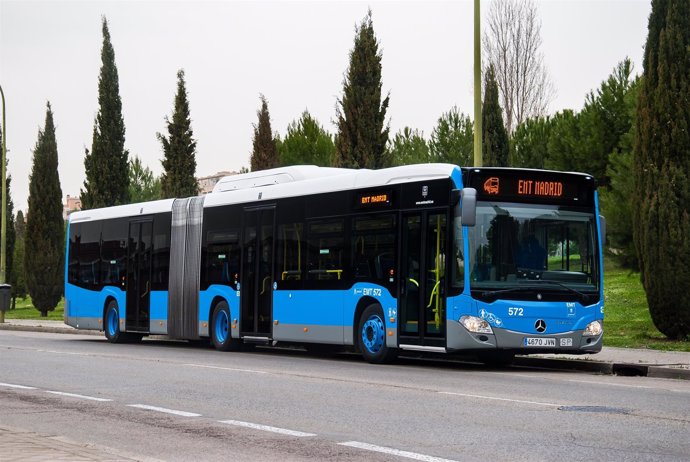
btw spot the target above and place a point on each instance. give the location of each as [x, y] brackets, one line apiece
[26, 310]
[627, 322]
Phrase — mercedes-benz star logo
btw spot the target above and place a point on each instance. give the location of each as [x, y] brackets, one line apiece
[540, 325]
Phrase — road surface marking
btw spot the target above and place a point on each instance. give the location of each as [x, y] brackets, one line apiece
[227, 368]
[282, 431]
[162, 409]
[499, 399]
[74, 395]
[627, 385]
[11, 385]
[394, 452]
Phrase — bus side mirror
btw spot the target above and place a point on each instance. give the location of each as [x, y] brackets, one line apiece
[602, 230]
[468, 207]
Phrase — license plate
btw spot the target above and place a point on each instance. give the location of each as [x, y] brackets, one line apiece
[539, 342]
[566, 342]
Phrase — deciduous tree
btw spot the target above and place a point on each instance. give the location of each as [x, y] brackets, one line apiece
[512, 44]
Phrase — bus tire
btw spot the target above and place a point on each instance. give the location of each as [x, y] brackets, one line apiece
[371, 336]
[220, 328]
[111, 324]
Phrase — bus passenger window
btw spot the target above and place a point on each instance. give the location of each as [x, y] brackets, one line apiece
[325, 260]
[373, 248]
[290, 253]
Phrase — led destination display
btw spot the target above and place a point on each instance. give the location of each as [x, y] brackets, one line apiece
[532, 186]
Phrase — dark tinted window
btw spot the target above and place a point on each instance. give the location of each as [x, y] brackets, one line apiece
[114, 251]
[161, 251]
[373, 248]
[89, 254]
[73, 257]
[326, 253]
[222, 262]
[291, 255]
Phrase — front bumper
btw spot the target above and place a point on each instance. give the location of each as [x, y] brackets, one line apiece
[572, 342]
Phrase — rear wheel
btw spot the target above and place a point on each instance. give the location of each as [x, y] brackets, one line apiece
[220, 329]
[372, 336]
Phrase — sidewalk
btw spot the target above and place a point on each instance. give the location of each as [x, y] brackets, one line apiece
[621, 361]
[21, 445]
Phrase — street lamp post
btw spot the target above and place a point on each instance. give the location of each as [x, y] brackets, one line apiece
[477, 89]
[3, 218]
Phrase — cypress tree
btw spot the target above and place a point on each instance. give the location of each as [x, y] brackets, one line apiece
[265, 152]
[661, 165]
[17, 278]
[179, 149]
[44, 241]
[361, 139]
[10, 236]
[107, 181]
[495, 136]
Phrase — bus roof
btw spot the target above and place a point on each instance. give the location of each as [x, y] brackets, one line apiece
[281, 182]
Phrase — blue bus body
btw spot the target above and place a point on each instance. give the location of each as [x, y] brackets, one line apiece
[379, 261]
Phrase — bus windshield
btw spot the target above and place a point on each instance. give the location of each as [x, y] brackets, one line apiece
[517, 250]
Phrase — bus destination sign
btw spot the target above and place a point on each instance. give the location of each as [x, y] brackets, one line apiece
[374, 199]
[530, 186]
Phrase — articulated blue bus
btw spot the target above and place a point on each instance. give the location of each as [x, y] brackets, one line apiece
[433, 258]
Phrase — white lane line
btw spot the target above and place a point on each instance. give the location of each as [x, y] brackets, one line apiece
[500, 399]
[74, 395]
[167, 411]
[612, 384]
[227, 368]
[282, 431]
[394, 452]
[12, 385]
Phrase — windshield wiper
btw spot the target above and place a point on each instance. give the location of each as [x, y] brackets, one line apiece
[493, 293]
[531, 287]
[582, 296]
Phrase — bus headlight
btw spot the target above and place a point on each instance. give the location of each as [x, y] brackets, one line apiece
[476, 325]
[593, 329]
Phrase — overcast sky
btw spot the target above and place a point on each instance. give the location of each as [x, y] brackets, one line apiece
[295, 53]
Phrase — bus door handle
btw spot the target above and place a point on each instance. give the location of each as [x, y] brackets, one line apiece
[146, 291]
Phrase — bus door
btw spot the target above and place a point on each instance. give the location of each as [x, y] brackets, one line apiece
[139, 276]
[422, 304]
[256, 274]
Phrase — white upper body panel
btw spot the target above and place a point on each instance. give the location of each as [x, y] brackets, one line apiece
[266, 185]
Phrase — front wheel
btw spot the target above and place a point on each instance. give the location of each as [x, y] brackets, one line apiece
[111, 324]
[372, 336]
[220, 329]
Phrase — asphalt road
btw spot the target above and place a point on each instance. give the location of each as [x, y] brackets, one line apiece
[174, 401]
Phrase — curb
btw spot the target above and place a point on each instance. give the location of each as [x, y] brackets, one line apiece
[49, 330]
[608, 368]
